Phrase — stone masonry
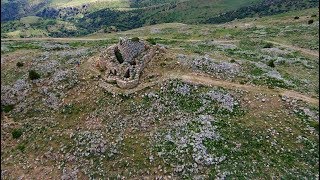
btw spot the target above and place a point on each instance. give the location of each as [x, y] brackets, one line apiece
[124, 62]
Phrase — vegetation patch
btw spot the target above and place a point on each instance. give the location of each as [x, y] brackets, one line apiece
[135, 39]
[272, 82]
[7, 108]
[16, 133]
[152, 41]
[310, 21]
[21, 147]
[33, 75]
[271, 63]
[256, 71]
[19, 64]
[267, 45]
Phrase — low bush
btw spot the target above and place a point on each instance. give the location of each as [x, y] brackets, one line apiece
[271, 63]
[135, 39]
[19, 64]
[16, 133]
[7, 108]
[33, 75]
[152, 41]
[310, 21]
[268, 45]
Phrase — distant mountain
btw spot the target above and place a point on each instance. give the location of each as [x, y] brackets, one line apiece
[16, 9]
[74, 17]
[166, 9]
[265, 8]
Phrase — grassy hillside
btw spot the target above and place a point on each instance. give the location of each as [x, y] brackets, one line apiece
[90, 18]
[58, 21]
[238, 100]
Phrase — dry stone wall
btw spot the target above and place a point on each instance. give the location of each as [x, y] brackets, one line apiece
[124, 62]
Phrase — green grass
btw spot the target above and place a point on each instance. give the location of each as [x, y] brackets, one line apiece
[70, 109]
[30, 20]
[21, 147]
[194, 126]
[256, 71]
[254, 152]
[188, 104]
[99, 43]
[271, 82]
[23, 45]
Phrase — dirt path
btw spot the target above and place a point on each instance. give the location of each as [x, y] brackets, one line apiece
[201, 40]
[302, 50]
[203, 79]
[196, 78]
[296, 95]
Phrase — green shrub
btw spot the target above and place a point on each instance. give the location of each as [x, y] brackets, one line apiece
[256, 71]
[310, 21]
[232, 61]
[268, 45]
[271, 63]
[7, 108]
[152, 41]
[19, 64]
[16, 133]
[314, 15]
[33, 75]
[135, 39]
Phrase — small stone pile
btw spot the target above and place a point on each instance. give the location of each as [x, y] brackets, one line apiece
[124, 62]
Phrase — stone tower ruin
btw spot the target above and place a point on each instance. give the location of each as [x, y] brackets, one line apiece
[124, 62]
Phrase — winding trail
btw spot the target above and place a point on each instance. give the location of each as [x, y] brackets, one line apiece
[302, 50]
[206, 80]
[196, 78]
